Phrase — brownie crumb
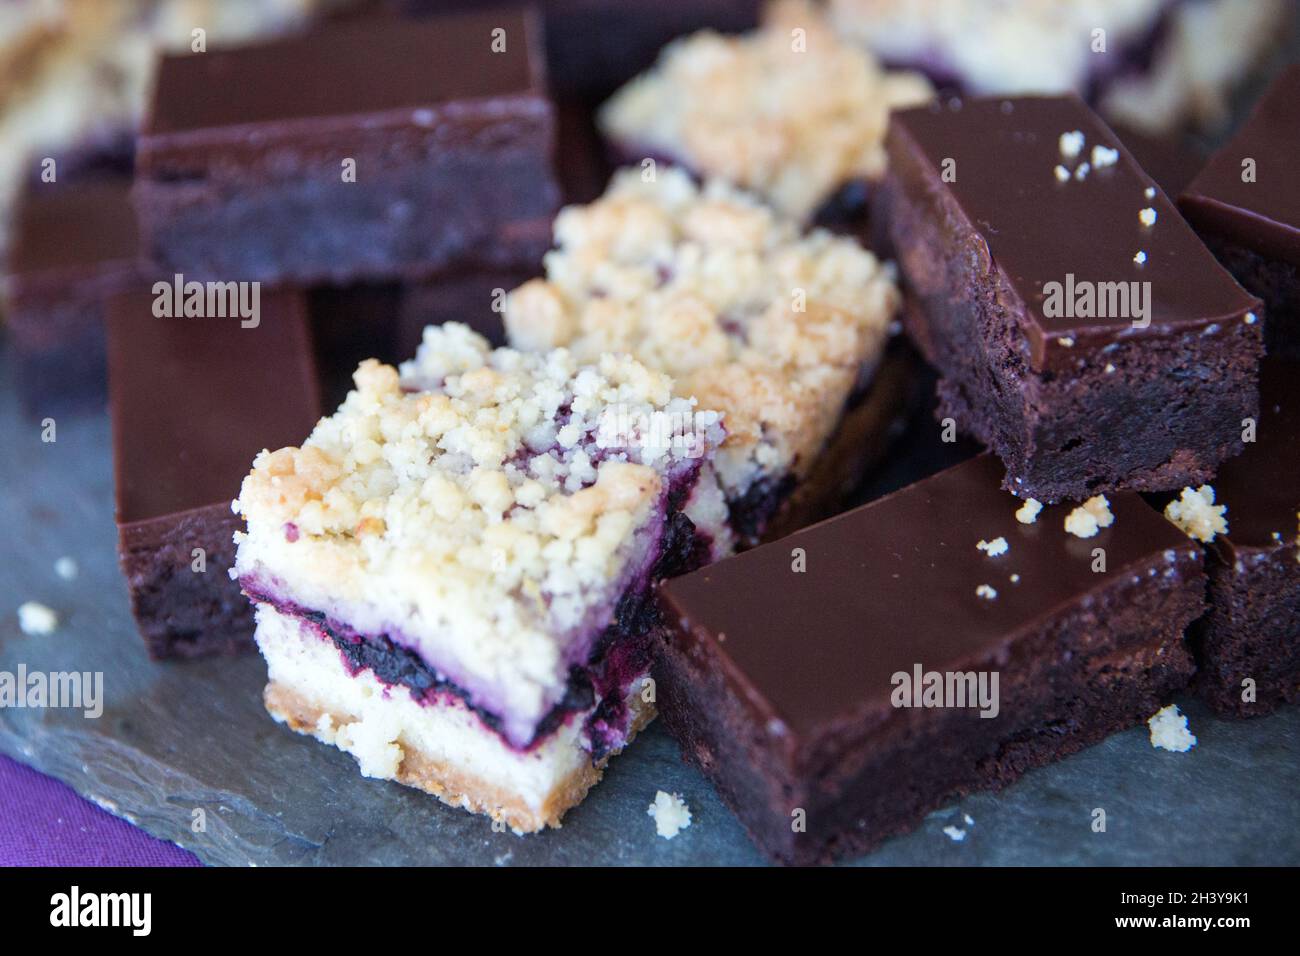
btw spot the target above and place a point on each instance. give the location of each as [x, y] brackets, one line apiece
[1072, 143]
[671, 814]
[1028, 512]
[1196, 514]
[1169, 730]
[1090, 517]
[37, 619]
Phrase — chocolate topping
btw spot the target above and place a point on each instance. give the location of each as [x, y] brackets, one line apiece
[1261, 487]
[1263, 214]
[899, 582]
[74, 228]
[1038, 229]
[357, 67]
[195, 399]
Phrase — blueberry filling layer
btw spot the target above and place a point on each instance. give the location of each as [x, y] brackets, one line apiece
[619, 656]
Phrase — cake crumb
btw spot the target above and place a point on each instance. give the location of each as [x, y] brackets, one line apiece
[671, 814]
[66, 568]
[1066, 341]
[1196, 514]
[1251, 319]
[986, 592]
[995, 547]
[1149, 192]
[1071, 143]
[1169, 730]
[1062, 174]
[1110, 368]
[35, 618]
[1103, 156]
[970, 821]
[1140, 258]
[1028, 512]
[1015, 579]
[1147, 216]
[1090, 517]
[1081, 173]
[956, 834]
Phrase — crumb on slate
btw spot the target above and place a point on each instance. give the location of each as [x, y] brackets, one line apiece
[1090, 517]
[993, 548]
[956, 834]
[1062, 174]
[1027, 513]
[986, 592]
[36, 618]
[1147, 216]
[1169, 730]
[66, 568]
[671, 814]
[1196, 514]
[1140, 258]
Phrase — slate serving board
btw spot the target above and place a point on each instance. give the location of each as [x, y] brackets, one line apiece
[179, 738]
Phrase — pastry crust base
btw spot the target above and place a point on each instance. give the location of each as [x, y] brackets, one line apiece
[450, 784]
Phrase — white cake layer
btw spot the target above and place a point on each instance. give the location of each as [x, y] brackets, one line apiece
[442, 747]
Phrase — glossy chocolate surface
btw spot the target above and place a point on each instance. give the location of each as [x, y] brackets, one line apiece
[1261, 486]
[893, 584]
[195, 399]
[359, 67]
[1263, 215]
[1038, 230]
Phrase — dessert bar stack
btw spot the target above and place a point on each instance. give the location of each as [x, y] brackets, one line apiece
[453, 574]
[589, 434]
[843, 682]
[377, 200]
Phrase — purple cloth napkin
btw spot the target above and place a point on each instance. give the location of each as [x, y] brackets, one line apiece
[45, 823]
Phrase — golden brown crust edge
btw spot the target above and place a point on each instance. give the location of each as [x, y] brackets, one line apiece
[450, 785]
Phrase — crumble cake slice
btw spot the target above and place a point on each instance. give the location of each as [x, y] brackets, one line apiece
[779, 330]
[789, 111]
[453, 573]
[1155, 65]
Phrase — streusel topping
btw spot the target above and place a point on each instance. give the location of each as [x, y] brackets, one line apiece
[487, 502]
[1026, 46]
[792, 116]
[707, 284]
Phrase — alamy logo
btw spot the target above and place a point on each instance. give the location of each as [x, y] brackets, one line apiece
[1098, 300]
[208, 300]
[946, 689]
[72, 690]
[75, 908]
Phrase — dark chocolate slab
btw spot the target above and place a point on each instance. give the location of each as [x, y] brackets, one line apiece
[893, 584]
[195, 399]
[1037, 230]
[357, 67]
[1263, 215]
[74, 228]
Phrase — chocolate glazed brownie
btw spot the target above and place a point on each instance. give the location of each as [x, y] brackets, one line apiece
[1252, 630]
[193, 399]
[779, 669]
[242, 163]
[1246, 206]
[1083, 331]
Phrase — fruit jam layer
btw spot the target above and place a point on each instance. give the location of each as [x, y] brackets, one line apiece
[598, 688]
